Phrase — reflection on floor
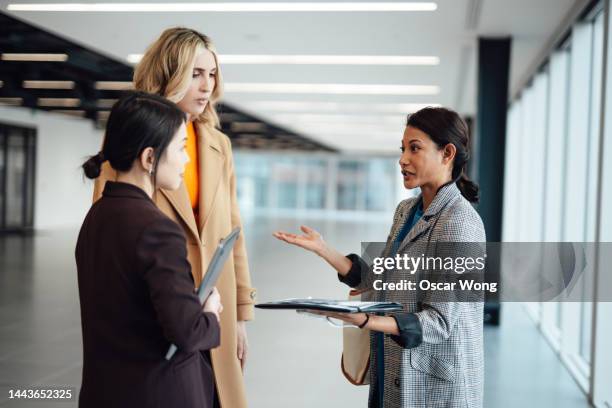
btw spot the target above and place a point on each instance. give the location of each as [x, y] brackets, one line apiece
[293, 360]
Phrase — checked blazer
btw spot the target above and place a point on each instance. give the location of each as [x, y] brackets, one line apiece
[446, 368]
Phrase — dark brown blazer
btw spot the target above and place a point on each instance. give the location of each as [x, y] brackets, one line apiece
[137, 297]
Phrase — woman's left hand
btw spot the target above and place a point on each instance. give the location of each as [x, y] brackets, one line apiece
[355, 319]
[243, 344]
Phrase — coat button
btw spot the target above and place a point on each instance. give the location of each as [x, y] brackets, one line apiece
[397, 382]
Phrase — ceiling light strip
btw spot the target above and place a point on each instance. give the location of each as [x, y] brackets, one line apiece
[342, 118]
[11, 101]
[320, 106]
[32, 84]
[59, 102]
[228, 7]
[317, 59]
[330, 59]
[335, 89]
[34, 57]
[114, 85]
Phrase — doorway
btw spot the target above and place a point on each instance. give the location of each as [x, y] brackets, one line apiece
[17, 169]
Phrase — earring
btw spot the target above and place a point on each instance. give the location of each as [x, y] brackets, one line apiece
[151, 171]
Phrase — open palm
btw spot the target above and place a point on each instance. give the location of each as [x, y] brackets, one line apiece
[310, 240]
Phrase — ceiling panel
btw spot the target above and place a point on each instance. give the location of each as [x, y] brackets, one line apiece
[450, 33]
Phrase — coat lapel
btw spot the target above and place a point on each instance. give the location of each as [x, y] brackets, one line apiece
[211, 160]
[180, 201]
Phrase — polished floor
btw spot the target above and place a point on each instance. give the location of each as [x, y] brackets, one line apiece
[293, 360]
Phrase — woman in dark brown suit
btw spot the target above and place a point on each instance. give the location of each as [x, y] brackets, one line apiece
[135, 283]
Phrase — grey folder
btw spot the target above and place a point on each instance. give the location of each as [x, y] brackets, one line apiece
[213, 272]
[342, 306]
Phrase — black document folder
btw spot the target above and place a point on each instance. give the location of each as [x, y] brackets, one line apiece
[341, 306]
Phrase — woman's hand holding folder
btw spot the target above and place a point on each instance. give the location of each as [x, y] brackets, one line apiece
[311, 240]
[356, 319]
[213, 303]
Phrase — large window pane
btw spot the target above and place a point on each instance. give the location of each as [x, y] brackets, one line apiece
[575, 188]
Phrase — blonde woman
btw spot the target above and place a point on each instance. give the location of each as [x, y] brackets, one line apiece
[182, 65]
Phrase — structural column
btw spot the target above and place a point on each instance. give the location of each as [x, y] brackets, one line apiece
[493, 84]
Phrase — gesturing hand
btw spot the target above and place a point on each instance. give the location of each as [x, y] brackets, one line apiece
[310, 240]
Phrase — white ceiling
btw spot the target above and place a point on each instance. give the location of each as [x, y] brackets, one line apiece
[448, 33]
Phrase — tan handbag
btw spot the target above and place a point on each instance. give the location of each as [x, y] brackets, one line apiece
[355, 362]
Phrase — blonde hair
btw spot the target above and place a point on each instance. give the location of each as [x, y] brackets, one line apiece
[166, 68]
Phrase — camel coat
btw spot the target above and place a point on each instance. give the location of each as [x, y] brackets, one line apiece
[219, 214]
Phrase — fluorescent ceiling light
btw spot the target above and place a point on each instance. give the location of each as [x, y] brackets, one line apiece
[106, 103]
[248, 127]
[11, 101]
[337, 89]
[59, 102]
[228, 7]
[48, 84]
[114, 85]
[297, 106]
[367, 137]
[307, 118]
[370, 134]
[134, 58]
[318, 59]
[329, 59]
[34, 57]
[349, 128]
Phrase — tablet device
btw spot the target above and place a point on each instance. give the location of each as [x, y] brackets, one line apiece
[215, 267]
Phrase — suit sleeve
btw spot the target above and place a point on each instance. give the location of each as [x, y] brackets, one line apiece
[245, 294]
[162, 258]
[106, 173]
[359, 269]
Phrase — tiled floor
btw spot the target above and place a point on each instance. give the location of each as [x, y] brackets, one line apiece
[294, 360]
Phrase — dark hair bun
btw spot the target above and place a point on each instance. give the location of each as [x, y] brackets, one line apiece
[138, 120]
[93, 166]
[468, 188]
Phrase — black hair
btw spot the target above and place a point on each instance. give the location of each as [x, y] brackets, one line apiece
[138, 120]
[445, 126]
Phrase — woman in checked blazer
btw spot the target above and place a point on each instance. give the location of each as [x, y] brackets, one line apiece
[431, 353]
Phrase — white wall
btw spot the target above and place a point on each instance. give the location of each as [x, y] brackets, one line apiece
[62, 195]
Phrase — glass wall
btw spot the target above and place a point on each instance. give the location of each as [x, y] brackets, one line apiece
[329, 183]
[555, 146]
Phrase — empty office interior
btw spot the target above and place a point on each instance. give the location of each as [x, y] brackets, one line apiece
[315, 102]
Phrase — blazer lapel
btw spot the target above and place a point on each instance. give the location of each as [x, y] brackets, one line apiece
[211, 159]
[444, 196]
[396, 228]
[419, 228]
[180, 201]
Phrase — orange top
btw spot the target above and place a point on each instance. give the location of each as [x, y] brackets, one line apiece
[192, 176]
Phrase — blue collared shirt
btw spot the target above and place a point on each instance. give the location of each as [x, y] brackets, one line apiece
[415, 215]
